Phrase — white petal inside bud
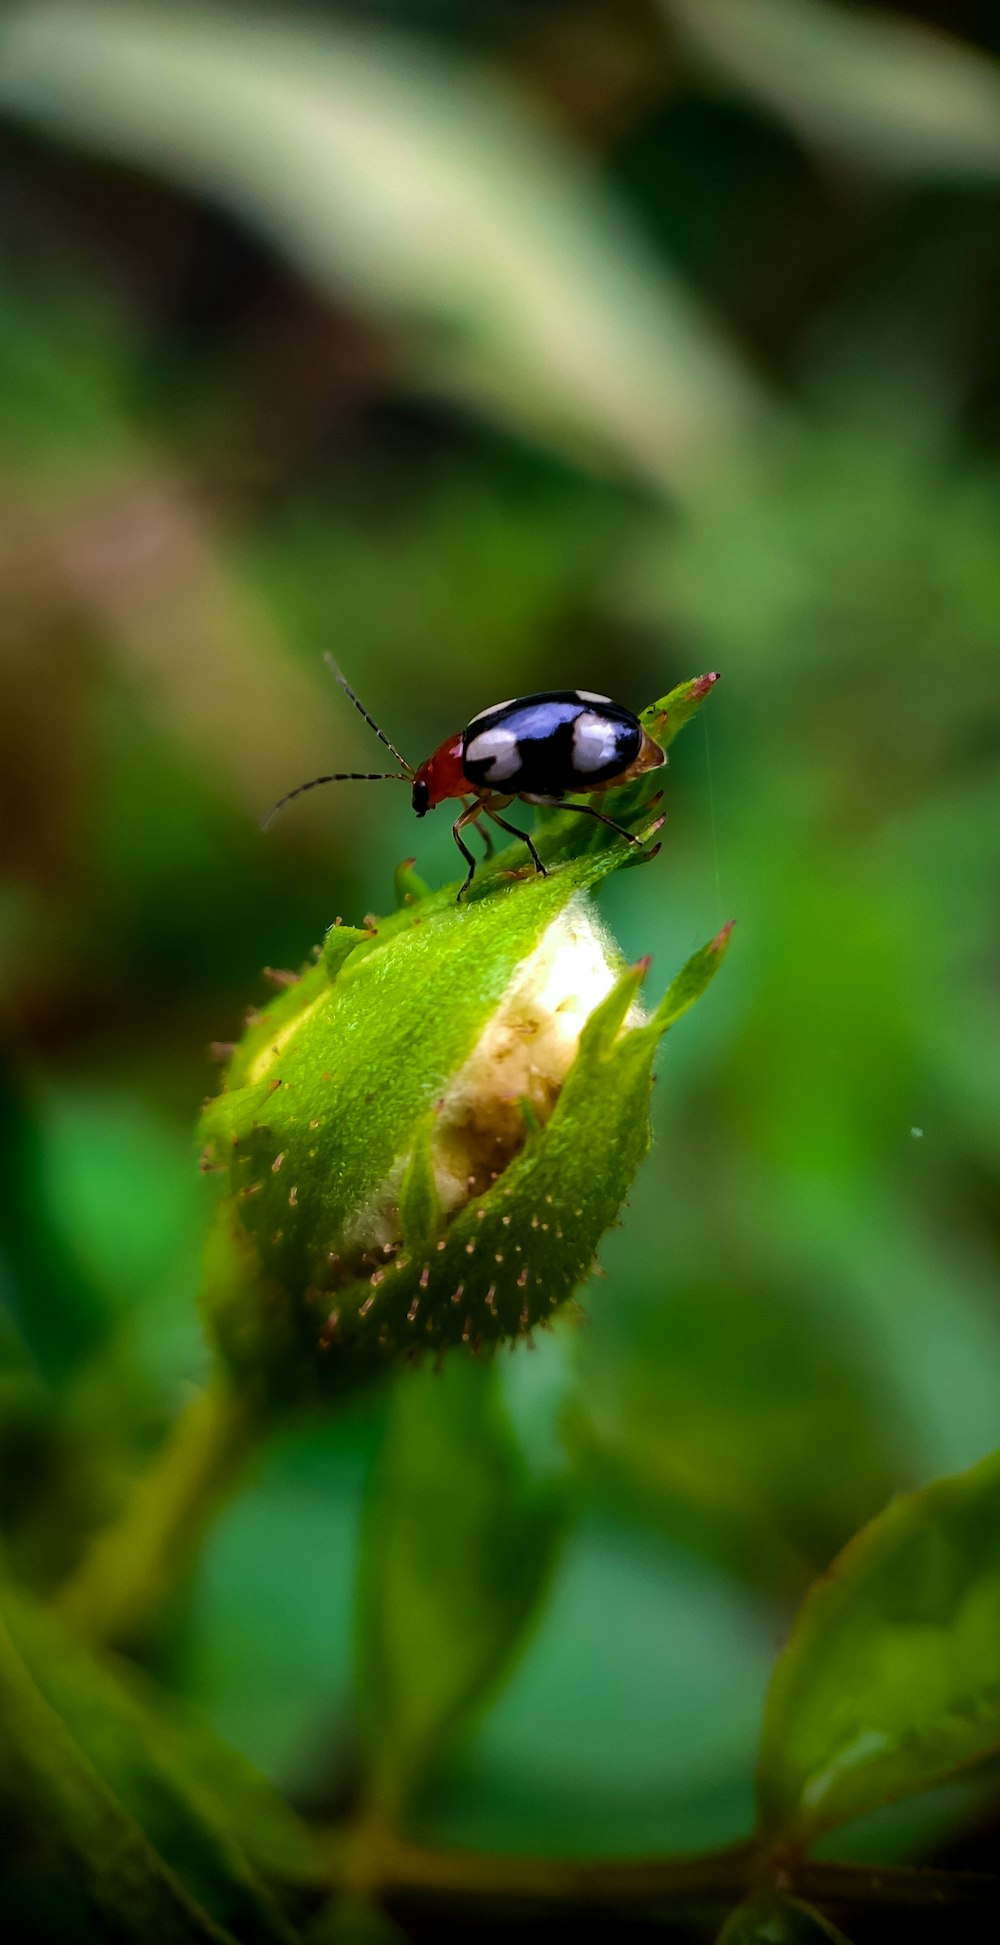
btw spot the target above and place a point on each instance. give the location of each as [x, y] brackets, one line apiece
[523, 1056]
[514, 1074]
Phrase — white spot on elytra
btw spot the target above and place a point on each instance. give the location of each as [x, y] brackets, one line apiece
[595, 743]
[498, 748]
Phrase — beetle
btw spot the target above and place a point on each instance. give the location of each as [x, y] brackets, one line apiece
[541, 748]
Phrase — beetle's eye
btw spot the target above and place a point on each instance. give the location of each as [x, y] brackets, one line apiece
[421, 797]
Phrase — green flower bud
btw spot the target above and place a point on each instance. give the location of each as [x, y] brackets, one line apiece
[424, 1138]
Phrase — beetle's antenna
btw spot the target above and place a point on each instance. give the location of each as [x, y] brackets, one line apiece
[338, 776]
[362, 711]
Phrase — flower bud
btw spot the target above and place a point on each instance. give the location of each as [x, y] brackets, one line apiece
[424, 1138]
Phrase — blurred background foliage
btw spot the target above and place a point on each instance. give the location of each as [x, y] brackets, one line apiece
[502, 347]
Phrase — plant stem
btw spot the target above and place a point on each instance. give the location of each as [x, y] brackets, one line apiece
[719, 1874]
[899, 1885]
[373, 1859]
[123, 1581]
[385, 1865]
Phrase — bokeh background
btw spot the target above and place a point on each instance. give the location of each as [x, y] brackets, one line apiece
[498, 347]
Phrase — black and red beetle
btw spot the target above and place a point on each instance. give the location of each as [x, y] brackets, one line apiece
[542, 749]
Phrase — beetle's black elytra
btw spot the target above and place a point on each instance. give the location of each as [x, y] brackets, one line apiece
[542, 748]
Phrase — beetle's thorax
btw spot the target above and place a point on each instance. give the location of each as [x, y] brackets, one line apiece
[441, 775]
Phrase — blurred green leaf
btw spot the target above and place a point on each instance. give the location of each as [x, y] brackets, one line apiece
[920, 1307]
[139, 1560]
[735, 1419]
[424, 189]
[915, 1827]
[901, 97]
[93, 491]
[193, 1800]
[57, 1302]
[408, 594]
[460, 1546]
[252, 1824]
[891, 1678]
[354, 1920]
[267, 1658]
[631, 1722]
[117, 1183]
[53, 1791]
[54, 409]
[777, 1920]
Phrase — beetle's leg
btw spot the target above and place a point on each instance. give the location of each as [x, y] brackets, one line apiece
[467, 816]
[487, 836]
[587, 810]
[523, 835]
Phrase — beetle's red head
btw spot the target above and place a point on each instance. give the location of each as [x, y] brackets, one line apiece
[441, 776]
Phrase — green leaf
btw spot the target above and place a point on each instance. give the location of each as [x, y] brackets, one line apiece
[48, 1784]
[891, 1679]
[269, 1641]
[196, 1804]
[425, 190]
[60, 1309]
[631, 1723]
[903, 98]
[733, 1420]
[776, 1920]
[354, 1920]
[460, 1545]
